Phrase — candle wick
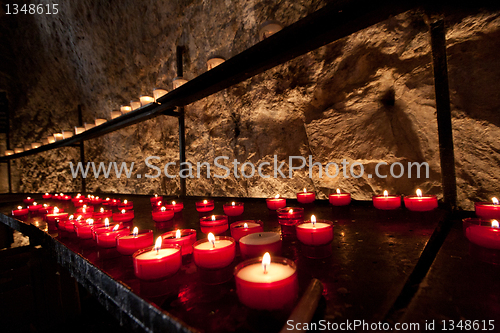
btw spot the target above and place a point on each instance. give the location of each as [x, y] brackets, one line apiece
[265, 269]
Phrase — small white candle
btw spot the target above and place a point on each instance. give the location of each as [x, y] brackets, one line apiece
[146, 100]
[100, 121]
[158, 92]
[125, 108]
[135, 104]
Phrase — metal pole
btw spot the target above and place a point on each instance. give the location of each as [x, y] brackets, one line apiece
[443, 108]
[182, 126]
[82, 148]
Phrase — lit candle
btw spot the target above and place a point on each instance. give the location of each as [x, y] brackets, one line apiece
[214, 62]
[265, 284]
[216, 224]
[125, 109]
[157, 262]
[9, 152]
[100, 121]
[123, 216]
[233, 208]
[18, 150]
[158, 92]
[276, 202]
[88, 126]
[243, 228]
[205, 206]
[288, 217]
[145, 100]
[20, 212]
[306, 197]
[108, 239]
[135, 104]
[214, 252]
[484, 233]
[420, 203]
[178, 81]
[115, 114]
[86, 230]
[339, 198]
[35, 145]
[79, 130]
[315, 232]
[163, 215]
[58, 136]
[175, 206]
[47, 196]
[68, 225]
[57, 214]
[488, 210]
[255, 245]
[102, 213]
[154, 200]
[128, 244]
[67, 134]
[126, 205]
[386, 201]
[85, 209]
[34, 208]
[28, 200]
[185, 238]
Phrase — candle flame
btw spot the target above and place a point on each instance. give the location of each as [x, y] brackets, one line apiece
[205, 201]
[84, 206]
[158, 203]
[213, 217]
[135, 232]
[125, 201]
[313, 221]
[266, 261]
[45, 205]
[107, 199]
[419, 193]
[19, 207]
[232, 203]
[78, 195]
[156, 195]
[338, 191]
[305, 191]
[71, 217]
[163, 209]
[56, 210]
[78, 201]
[123, 211]
[106, 222]
[178, 234]
[34, 203]
[79, 217]
[157, 245]
[46, 194]
[277, 196]
[245, 225]
[494, 200]
[97, 198]
[102, 210]
[173, 203]
[61, 194]
[90, 221]
[495, 224]
[386, 193]
[116, 227]
[211, 239]
[290, 211]
[84, 210]
[28, 198]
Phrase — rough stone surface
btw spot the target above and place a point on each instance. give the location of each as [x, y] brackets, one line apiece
[367, 98]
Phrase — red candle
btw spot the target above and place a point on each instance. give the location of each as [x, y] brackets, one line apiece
[45, 209]
[47, 196]
[265, 284]
[185, 238]
[315, 232]
[80, 202]
[66, 198]
[68, 225]
[163, 214]
[20, 212]
[339, 198]
[108, 239]
[102, 214]
[215, 224]
[214, 252]
[110, 202]
[95, 200]
[288, 217]
[85, 230]
[485, 233]
[57, 214]
[255, 245]
[420, 203]
[100, 229]
[124, 216]
[28, 200]
[306, 197]
[175, 206]
[33, 209]
[205, 206]
[157, 262]
[85, 209]
[233, 208]
[386, 201]
[246, 227]
[128, 205]
[55, 196]
[128, 244]
[276, 202]
[155, 199]
[488, 210]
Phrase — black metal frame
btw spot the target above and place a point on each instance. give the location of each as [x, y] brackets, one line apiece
[332, 22]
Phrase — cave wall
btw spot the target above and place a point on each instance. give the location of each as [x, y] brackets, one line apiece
[368, 97]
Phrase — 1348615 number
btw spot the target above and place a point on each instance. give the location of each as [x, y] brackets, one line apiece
[468, 325]
[32, 9]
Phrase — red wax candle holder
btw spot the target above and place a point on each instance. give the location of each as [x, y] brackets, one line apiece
[205, 206]
[288, 219]
[175, 206]
[155, 199]
[102, 214]
[84, 216]
[215, 224]
[255, 245]
[339, 199]
[127, 206]
[68, 225]
[315, 238]
[128, 244]
[51, 218]
[108, 239]
[276, 290]
[33, 209]
[80, 202]
[20, 212]
[487, 210]
[214, 263]
[28, 200]
[388, 202]
[47, 196]
[86, 209]
[102, 229]
[150, 264]
[484, 239]
[306, 197]
[422, 203]
[163, 215]
[85, 230]
[123, 216]
[185, 241]
[238, 229]
[65, 198]
[233, 210]
[110, 202]
[275, 203]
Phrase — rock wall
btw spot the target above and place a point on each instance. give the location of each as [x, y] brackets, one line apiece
[367, 98]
